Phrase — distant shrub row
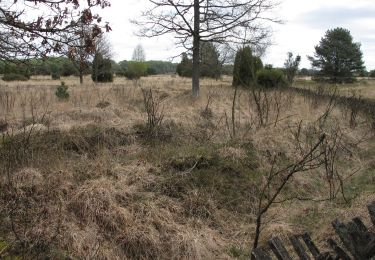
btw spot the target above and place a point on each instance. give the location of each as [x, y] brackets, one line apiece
[15, 77]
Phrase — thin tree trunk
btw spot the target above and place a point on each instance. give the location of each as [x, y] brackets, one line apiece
[233, 112]
[196, 47]
[81, 76]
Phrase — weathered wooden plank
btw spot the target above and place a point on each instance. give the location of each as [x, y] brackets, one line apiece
[371, 210]
[361, 226]
[278, 249]
[341, 254]
[299, 248]
[260, 253]
[325, 256]
[369, 250]
[310, 245]
[344, 234]
[358, 237]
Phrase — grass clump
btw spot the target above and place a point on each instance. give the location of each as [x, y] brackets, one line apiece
[62, 91]
[204, 176]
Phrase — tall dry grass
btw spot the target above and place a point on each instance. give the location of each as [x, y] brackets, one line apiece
[83, 183]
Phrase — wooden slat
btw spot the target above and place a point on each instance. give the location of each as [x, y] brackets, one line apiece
[369, 250]
[260, 254]
[325, 256]
[344, 234]
[278, 249]
[361, 226]
[339, 251]
[358, 237]
[371, 210]
[299, 248]
[310, 245]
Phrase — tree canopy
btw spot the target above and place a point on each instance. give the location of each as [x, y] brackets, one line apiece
[194, 22]
[337, 57]
[139, 54]
[32, 28]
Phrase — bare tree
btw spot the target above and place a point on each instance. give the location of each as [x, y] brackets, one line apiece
[277, 179]
[77, 51]
[139, 54]
[193, 22]
[82, 56]
[31, 28]
[104, 46]
[291, 65]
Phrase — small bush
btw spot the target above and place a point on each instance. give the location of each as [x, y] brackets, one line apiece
[3, 125]
[136, 70]
[185, 67]
[62, 91]
[15, 77]
[271, 78]
[55, 76]
[103, 104]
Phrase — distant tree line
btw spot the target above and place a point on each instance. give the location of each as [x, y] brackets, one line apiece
[102, 68]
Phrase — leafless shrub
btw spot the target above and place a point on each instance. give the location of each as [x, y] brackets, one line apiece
[207, 129]
[155, 113]
[277, 179]
[354, 110]
[207, 111]
[270, 104]
[331, 105]
[261, 100]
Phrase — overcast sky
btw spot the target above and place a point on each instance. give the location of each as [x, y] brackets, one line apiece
[305, 22]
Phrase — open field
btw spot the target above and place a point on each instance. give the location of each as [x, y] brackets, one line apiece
[364, 87]
[88, 178]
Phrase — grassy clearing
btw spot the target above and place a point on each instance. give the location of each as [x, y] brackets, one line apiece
[82, 179]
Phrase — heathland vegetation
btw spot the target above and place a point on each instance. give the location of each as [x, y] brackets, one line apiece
[202, 159]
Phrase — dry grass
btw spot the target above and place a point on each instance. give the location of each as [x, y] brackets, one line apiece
[87, 185]
[364, 87]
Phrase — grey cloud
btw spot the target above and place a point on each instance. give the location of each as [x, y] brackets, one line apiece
[326, 18]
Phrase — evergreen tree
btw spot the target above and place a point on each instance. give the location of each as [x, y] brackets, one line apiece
[209, 61]
[101, 69]
[245, 67]
[337, 57]
[185, 68]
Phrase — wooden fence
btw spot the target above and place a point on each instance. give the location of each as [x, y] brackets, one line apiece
[357, 242]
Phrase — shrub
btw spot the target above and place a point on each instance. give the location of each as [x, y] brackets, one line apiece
[271, 78]
[185, 67]
[245, 67]
[62, 91]
[15, 77]
[101, 69]
[210, 65]
[151, 71]
[55, 76]
[136, 70]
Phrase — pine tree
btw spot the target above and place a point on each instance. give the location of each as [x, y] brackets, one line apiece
[337, 57]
